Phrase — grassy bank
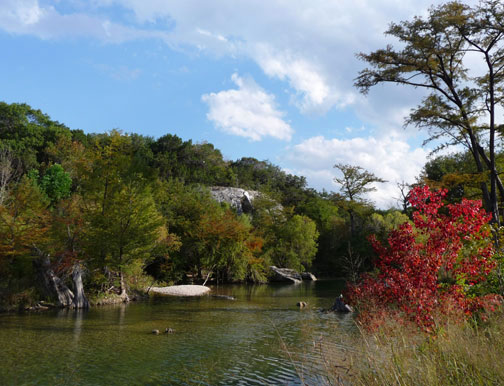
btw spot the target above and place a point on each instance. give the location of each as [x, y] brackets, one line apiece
[459, 354]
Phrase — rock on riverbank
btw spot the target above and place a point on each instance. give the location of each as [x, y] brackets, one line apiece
[181, 290]
[290, 275]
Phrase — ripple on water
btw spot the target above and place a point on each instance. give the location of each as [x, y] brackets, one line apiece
[261, 338]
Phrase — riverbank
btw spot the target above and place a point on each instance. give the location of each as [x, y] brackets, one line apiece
[467, 353]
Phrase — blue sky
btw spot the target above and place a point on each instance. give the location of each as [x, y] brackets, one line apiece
[271, 79]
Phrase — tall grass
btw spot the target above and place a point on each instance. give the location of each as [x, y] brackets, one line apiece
[458, 354]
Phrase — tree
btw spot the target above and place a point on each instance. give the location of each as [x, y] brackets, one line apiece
[355, 182]
[8, 172]
[29, 133]
[23, 227]
[433, 58]
[56, 183]
[290, 240]
[223, 243]
[296, 243]
[455, 172]
[124, 224]
[66, 245]
[192, 163]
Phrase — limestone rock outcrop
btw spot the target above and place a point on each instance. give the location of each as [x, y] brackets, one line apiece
[239, 199]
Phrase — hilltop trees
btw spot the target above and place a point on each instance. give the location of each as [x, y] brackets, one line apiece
[460, 107]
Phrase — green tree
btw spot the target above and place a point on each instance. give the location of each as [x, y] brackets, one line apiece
[56, 183]
[290, 240]
[214, 238]
[332, 228]
[432, 57]
[29, 133]
[355, 182]
[124, 224]
[191, 163]
[297, 240]
[455, 172]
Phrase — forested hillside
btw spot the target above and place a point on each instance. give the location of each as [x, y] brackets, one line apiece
[120, 211]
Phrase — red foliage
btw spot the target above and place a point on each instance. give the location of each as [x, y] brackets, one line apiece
[430, 267]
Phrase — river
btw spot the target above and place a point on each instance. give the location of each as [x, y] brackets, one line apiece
[260, 338]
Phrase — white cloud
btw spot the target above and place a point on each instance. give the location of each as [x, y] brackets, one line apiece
[390, 158]
[310, 44]
[28, 17]
[248, 111]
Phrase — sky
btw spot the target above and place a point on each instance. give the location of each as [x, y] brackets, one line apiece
[270, 79]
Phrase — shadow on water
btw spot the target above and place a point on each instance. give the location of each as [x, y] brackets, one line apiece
[216, 341]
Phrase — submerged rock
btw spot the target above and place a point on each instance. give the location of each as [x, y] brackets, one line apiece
[181, 290]
[226, 297]
[286, 274]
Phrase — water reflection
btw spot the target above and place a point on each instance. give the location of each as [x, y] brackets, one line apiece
[216, 341]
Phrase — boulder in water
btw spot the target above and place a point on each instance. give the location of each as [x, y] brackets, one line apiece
[286, 274]
[181, 290]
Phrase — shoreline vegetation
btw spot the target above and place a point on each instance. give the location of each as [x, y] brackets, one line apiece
[466, 353]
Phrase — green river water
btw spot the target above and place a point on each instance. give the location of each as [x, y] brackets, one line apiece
[260, 338]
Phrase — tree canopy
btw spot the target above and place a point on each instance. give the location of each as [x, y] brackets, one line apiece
[460, 107]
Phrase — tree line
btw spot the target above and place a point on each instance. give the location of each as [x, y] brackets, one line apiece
[114, 213]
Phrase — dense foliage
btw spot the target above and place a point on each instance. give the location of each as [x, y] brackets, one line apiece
[435, 264]
[127, 210]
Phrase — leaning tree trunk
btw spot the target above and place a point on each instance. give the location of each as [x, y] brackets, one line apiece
[54, 286]
[79, 300]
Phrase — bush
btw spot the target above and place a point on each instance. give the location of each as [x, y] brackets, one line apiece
[435, 265]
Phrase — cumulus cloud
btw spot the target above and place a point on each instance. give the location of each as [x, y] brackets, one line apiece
[390, 158]
[309, 44]
[247, 111]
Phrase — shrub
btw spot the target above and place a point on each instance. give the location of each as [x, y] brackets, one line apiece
[434, 265]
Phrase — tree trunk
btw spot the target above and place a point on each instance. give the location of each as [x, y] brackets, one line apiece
[124, 294]
[80, 300]
[493, 170]
[487, 202]
[54, 286]
[352, 224]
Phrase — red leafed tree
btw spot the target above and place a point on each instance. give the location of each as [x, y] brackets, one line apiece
[431, 265]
